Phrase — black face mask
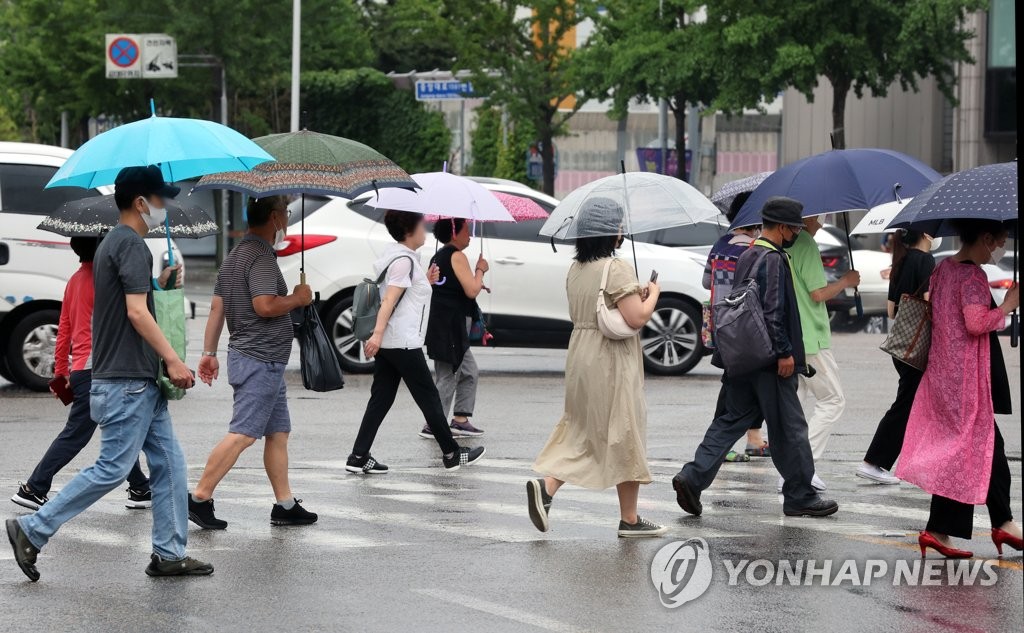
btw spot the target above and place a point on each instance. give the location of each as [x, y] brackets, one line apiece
[790, 242]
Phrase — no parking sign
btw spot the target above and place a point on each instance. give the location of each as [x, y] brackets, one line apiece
[146, 56]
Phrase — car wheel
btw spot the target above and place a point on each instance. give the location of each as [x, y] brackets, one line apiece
[671, 339]
[30, 349]
[339, 321]
[5, 371]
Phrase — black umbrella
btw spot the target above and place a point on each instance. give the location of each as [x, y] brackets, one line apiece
[91, 216]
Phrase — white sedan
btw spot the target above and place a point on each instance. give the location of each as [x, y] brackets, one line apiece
[527, 306]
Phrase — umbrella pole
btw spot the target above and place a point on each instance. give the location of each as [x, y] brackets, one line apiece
[858, 303]
[629, 226]
[173, 279]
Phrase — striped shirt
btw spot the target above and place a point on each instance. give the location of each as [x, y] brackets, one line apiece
[249, 271]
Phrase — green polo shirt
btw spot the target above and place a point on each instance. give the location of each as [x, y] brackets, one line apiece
[808, 276]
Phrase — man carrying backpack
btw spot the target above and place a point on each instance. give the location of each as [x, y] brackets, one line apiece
[769, 391]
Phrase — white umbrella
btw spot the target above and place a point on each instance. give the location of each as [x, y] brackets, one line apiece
[878, 218]
[649, 201]
[446, 195]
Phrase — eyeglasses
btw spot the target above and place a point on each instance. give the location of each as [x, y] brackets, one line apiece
[286, 211]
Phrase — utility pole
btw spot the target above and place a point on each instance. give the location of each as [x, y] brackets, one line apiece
[296, 50]
[663, 119]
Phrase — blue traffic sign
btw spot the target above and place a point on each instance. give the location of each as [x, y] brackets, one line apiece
[444, 90]
[123, 52]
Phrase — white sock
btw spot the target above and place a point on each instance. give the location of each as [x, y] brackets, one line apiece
[287, 504]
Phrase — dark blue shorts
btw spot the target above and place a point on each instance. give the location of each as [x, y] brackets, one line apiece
[261, 399]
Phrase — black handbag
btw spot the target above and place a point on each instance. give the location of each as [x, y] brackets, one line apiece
[319, 362]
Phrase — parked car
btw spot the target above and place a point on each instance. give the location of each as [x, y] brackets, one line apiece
[527, 306]
[36, 265]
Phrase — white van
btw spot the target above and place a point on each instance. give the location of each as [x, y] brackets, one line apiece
[35, 265]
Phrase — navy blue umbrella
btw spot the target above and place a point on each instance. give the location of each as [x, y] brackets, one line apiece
[841, 180]
[988, 192]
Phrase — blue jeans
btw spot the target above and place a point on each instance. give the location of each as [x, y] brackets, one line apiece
[132, 416]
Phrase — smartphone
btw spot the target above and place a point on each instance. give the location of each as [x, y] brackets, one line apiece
[61, 389]
[654, 276]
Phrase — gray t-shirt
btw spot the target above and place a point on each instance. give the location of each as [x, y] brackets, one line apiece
[250, 270]
[123, 265]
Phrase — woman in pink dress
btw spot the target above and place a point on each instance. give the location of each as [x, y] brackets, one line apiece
[953, 448]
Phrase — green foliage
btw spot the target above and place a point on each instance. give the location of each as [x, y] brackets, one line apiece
[520, 60]
[486, 142]
[511, 163]
[364, 105]
[411, 34]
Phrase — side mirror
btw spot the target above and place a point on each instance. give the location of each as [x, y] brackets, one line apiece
[5, 254]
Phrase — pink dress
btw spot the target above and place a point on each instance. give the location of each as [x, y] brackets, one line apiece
[950, 436]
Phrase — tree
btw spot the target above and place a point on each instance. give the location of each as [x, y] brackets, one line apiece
[410, 34]
[863, 45]
[500, 153]
[365, 106]
[522, 56]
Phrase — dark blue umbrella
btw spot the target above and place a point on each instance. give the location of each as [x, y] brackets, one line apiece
[841, 180]
[988, 192]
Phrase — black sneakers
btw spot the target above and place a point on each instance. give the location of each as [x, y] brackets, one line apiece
[24, 551]
[819, 508]
[297, 515]
[539, 503]
[365, 465]
[139, 499]
[687, 498]
[28, 498]
[201, 513]
[463, 457]
[185, 567]
[641, 529]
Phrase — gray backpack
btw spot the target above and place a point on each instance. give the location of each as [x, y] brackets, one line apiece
[742, 341]
[366, 302]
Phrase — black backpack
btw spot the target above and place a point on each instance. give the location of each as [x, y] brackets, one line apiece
[742, 342]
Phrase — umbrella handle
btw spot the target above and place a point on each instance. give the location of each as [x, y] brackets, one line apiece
[858, 303]
[302, 278]
[173, 279]
[1014, 329]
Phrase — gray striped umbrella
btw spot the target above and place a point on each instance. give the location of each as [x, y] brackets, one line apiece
[91, 216]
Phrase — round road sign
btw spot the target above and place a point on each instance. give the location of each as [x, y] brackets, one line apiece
[123, 52]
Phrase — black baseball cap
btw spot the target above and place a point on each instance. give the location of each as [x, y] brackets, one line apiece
[783, 210]
[145, 181]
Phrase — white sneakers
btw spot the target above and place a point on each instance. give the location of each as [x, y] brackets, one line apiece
[816, 483]
[876, 474]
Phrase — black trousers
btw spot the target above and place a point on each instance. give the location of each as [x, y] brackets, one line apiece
[760, 396]
[888, 440]
[720, 408]
[391, 367]
[957, 519]
[73, 438]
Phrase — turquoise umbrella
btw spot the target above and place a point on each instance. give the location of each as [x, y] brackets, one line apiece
[182, 148]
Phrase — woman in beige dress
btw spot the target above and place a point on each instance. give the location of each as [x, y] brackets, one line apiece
[601, 440]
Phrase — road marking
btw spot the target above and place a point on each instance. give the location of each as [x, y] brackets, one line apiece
[503, 611]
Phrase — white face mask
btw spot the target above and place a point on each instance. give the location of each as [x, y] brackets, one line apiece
[155, 217]
[997, 254]
[279, 242]
[936, 243]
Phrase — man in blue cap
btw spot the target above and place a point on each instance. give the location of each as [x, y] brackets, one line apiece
[126, 402]
[771, 392]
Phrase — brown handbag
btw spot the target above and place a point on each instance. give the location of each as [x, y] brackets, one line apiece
[910, 336]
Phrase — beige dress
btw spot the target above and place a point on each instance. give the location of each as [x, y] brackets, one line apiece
[601, 439]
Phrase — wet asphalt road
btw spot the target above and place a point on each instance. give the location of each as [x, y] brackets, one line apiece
[423, 550]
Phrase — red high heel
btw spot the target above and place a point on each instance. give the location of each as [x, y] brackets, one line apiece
[926, 540]
[1002, 536]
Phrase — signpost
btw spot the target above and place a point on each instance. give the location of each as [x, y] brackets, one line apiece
[145, 56]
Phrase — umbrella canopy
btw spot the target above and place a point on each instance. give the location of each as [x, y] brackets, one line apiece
[446, 195]
[182, 148]
[988, 192]
[877, 220]
[91, 216]
[636, 202]
[841, 180]
[727, 193]
[521, 208]
[312, 163]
